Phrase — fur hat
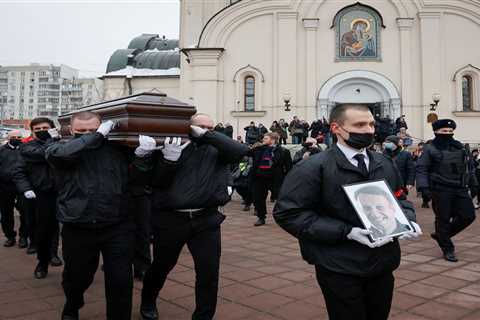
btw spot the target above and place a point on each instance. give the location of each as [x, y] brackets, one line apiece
[444, 123]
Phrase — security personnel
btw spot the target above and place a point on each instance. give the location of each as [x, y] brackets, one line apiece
[13, 184]
[355, 274]
[41, 178]
[186, 213]
[403, 160]
[443, 172]
[92, 178]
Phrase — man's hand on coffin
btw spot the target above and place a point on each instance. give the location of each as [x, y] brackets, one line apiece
[197, 132]
[146, 146]
[106, 127]
[173, 147]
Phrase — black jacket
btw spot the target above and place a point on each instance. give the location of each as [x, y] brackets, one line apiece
[405, 165]
[91, 179]
[40, 173]
[202, 175]
[433, 172]
[313, 207]
[12, 178]
[299, 154]
[282, 161]
[252, 134]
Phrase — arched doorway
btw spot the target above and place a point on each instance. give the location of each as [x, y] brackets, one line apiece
[359, 86]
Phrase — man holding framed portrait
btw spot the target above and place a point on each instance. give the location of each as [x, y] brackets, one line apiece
[354, 265]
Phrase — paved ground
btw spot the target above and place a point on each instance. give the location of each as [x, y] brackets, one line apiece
[263, 278]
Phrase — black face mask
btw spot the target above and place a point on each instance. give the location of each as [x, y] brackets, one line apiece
[42, 135]
[15, 142]
[307, 144]
[359, 140]
[444, 136]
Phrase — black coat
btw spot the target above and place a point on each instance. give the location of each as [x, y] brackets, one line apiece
[92, 178]
[299, 154]
[313, 207]
[229, 131]
[252, 134]
[39, 172]
[405, 165]
[202, 176]
[282, 163]
[12, 179]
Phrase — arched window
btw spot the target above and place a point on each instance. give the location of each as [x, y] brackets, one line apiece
[249, 97]
[467, 93]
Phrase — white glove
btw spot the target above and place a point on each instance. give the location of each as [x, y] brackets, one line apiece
[197, 132]
[29, 194]
[173, 150]
[53, 133]
[106, 127]
[412, 235]
[147, 146]
[361, 236]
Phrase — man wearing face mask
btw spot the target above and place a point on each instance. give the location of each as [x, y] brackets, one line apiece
[443, 171]
[13, 184]
[309, 148]
[354, 274]
[403, 160]
[187, 213]
[41, 178]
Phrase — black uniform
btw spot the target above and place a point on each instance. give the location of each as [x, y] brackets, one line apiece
[405, 165]
[13, 183]
[356, 281]
[200, 183]
[442, 171]
[40, 175]
[92, 182]
[268, 179]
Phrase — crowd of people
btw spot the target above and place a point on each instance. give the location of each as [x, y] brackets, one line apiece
[116, 201]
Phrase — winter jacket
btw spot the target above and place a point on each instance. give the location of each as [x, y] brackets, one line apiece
[299, 154]
[202, 176]
[405, 165]
[313, 207]
[12, 179]
[252, 134]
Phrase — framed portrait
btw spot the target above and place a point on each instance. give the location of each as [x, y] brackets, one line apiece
[378, 209]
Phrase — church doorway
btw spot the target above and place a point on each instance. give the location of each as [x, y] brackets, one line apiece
[360, 86]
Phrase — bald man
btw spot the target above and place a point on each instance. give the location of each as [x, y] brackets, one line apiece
[187, 213]
[11, 181]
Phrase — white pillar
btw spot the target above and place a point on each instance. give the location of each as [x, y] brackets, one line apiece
[310, 26]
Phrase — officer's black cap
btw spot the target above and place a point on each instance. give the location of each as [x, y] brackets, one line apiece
[444, 123]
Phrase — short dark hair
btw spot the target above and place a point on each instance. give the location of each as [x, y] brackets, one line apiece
[372, 190]
[37, 121]
[85, 115]
[338, 112]
[273, 135]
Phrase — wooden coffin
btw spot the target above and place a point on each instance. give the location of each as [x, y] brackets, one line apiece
[152, 114]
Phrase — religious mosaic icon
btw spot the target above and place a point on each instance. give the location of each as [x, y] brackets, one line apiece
[357, 32]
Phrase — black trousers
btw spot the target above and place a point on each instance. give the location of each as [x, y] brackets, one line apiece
[261, 186]
[454, 211]
[7, 209]
[245, 192]
[46, 225]
[351, 297]
[202, 236]
[140, 208]
[27, 209]
[81, 253]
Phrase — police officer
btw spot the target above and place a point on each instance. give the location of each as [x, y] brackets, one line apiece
[92, 180]
[442, 171]
[355, 274]
[13, 184]
[187, 213]
[41, 177]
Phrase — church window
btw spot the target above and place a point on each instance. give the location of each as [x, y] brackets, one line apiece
[467, 93]
[249, 93]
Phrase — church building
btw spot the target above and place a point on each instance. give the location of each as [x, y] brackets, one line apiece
[253, 60]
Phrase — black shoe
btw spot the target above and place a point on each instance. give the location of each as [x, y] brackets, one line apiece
[56, 261]
[246, 208]
[450, 256]
[434, 236]
[139, 275]
[9, 243]
[31, 249]
[260, 222]
[425, 205]
[22, 243]
[148, 311]
[40, 272]
[70, 315]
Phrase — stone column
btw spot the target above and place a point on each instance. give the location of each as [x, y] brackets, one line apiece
[310, 92]
[206, 80]
[405, 27]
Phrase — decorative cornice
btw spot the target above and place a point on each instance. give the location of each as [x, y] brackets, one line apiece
[429, 15]
[405, 23]
[287, 15]
[207, 56]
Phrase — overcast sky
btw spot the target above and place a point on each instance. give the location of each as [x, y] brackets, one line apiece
[83, 33]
